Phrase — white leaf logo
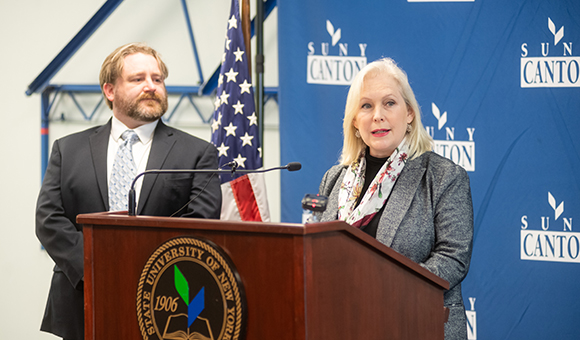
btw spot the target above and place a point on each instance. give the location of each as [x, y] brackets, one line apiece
[335, 35]
[557, 36]
[557, 211]
[441, 118]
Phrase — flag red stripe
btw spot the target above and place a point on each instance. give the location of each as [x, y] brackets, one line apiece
[245, 199]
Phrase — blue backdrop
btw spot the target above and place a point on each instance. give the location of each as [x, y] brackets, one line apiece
[498, 84]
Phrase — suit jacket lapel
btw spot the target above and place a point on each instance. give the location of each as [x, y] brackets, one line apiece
[331, 212]
[161, 145]
[400, 201]
[99, 143]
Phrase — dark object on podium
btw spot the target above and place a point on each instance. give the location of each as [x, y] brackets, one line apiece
[314, 202]
[315, 281]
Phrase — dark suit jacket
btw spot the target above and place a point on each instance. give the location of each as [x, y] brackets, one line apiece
[76, 183]
[428, 218]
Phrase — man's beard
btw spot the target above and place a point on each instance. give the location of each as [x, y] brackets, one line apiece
[143, 109]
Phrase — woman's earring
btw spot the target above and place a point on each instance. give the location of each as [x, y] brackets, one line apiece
[357, 134]
[409, 128]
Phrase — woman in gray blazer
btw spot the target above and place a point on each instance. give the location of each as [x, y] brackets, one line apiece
[392, 186]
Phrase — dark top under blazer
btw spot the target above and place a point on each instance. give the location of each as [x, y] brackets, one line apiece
[76, 183]
[428, 218]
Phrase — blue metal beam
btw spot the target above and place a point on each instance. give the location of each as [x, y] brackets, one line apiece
[79, 88]
[102, 14]
[191, 37]
[42, 82]
[210, 85]
[72, 47]
[193, 91]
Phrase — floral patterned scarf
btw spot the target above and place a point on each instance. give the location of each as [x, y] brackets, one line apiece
[378, 191]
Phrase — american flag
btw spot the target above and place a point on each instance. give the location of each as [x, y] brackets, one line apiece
[235, 130]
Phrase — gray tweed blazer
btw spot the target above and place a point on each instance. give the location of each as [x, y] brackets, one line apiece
[428, 218]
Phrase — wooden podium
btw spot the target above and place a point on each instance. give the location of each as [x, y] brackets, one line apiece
[314, 281]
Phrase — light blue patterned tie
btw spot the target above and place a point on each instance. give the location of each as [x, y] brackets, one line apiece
[123, 172]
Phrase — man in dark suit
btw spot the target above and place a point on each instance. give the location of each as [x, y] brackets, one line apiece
[79, 176]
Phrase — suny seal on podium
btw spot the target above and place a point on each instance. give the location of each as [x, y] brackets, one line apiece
[190, 290]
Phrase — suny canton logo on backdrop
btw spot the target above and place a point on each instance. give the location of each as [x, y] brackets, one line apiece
[460, 152]
[555, 68]
[548, 244]
[333, 69]
[471, 320]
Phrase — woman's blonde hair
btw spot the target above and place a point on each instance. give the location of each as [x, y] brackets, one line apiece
[112, 67]
[418, 139]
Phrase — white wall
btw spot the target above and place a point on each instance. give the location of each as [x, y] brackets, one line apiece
[32, 32]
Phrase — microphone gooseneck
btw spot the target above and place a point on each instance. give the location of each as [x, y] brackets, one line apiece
[131, 206]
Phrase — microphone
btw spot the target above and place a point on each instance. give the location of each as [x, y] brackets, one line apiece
[294, 166]
[131, 200]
